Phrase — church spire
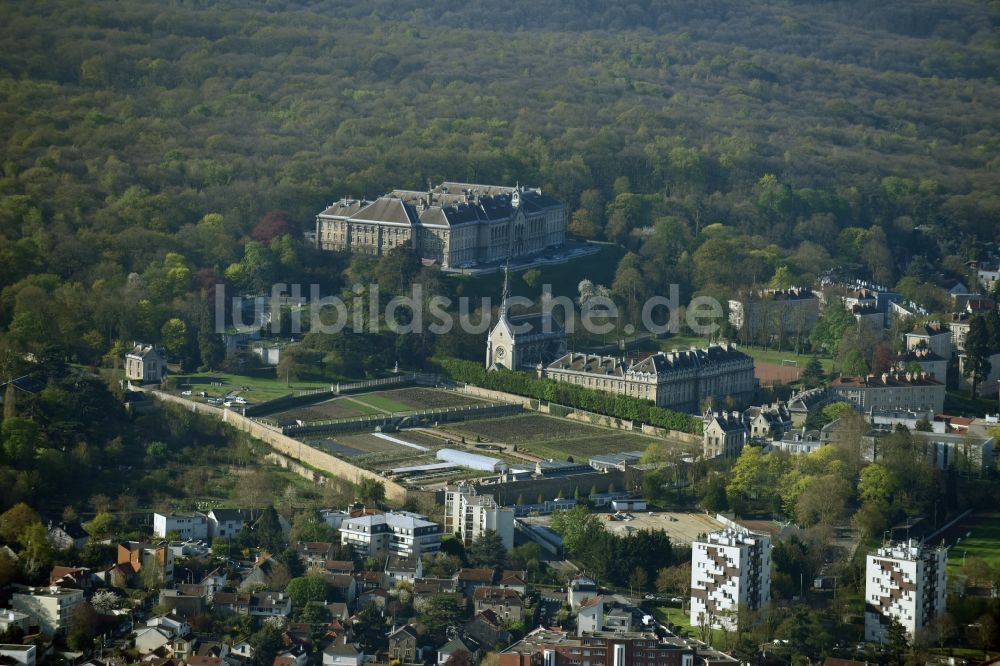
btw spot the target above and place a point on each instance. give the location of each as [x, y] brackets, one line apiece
[506, 288]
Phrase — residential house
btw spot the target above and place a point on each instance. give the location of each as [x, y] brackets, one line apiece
[187, 600]
[344, 587]
[618, 619]
[590, 616]
[342, 653]
[78, 578]
[460, 644]
[467, 580]
[151, 639]
[580, 588]
[334, 517]
[514, 580]
[52, 609]
[267, 604]
[293, 656]
[146, 364]
[402, 568]
[487, 628]
[403, 645]
[205, 660]
[723, 435]
[188, 525]
[226, 523]
[259, 575]
[932, 335]
[314, 553]
[214, 581]
[507, 604]
[141, 555]
[67, 534]
[339, 566]
[768, 421]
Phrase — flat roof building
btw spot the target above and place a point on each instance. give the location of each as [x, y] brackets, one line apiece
[729, 569]
[905, 581]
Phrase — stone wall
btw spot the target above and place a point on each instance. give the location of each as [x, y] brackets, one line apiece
[289, 447]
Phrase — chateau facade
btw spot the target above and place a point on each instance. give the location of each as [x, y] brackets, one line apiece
[454, 224]
[678, 380]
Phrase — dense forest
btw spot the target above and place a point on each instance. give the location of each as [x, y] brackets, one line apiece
[151, 150]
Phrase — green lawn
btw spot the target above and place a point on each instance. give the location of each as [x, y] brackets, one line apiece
[259, 390]
[682, 618]
[984, 542]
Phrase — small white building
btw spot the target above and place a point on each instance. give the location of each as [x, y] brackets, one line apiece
[11, 618]
[628, 504]
[342, 653]
[226, 523]
[22, 655]
[189, 525]
[146, 364]
[906, 581]
[334, 517]
[729, 569]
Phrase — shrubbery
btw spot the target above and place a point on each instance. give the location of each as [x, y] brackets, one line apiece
[571, 395]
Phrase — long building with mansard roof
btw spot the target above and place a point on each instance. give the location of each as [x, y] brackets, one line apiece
[454, 224]
[679, 379]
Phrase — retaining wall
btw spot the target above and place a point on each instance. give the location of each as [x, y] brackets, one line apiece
[290, 447]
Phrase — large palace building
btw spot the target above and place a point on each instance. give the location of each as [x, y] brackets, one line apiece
[455, 224]
[679, 380]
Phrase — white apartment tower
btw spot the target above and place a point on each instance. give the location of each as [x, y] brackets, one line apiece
[470, 514]
[729, 569]
[906, 581]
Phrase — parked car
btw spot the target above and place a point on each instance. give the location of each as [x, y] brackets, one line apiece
[188, 392]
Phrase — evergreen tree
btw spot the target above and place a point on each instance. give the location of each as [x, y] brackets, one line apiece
[978, 347]
[487, 550]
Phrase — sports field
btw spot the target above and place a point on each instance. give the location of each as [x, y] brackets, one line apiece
[551, 437]
[983, 541]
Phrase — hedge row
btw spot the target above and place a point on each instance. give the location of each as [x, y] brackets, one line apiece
[571, 395]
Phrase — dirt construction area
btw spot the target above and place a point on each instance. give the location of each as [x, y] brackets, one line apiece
[682, 528]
